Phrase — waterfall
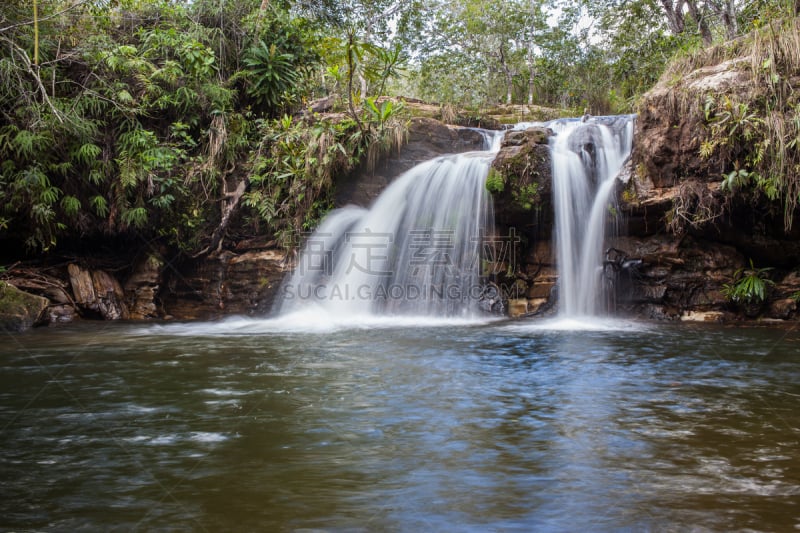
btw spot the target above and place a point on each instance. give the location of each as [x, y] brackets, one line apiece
[587, 156]
[415, 251]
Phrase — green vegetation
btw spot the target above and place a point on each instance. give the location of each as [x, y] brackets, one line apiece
[495, 181]
[161, 120]
[754, 137]
[188, 123]
[526, 196]
[749, 285]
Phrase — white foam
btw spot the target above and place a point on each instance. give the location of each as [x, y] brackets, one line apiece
[577, 323]
[311, 319]
[224, 392]
[208, 437]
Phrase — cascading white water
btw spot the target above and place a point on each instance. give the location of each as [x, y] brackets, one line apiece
[416, 251]
[587, 157]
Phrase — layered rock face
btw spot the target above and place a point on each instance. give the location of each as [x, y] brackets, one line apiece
[682, 242]
[230, 284]
[521, 185]
[684, 239]
[427, 138]
[243, 281]
[695, 238]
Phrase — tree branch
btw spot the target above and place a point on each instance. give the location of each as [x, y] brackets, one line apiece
[35, 75]
[48, 17]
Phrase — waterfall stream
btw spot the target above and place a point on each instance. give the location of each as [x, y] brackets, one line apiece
[587, 157]
[415, 251]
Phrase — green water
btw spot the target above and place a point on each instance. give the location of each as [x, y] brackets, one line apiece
[256, 426]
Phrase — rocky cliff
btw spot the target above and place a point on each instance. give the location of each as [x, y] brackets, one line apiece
[149, 284]
[699, 214]
[695, 211]
[707, 203]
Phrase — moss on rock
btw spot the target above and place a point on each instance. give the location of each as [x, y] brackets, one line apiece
[523, 168]
[19, 310]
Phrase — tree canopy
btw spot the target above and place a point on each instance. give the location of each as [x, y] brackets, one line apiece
[166, 120]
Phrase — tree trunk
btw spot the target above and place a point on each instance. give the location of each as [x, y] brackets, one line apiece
[699, 18]
[674, 14]
[726, 11]
[229, 206]
[351, 64]
[363, 81]
[531, 85]
[508, 75]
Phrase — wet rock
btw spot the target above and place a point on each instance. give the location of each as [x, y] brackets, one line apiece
[141, 288]
[59, 314]
[782, 309]
[82, 286]
[541, 290]
[702, 316]
[230, 283]
[538, 305]
[517, 307]
[97, 293]
[427, 138]
[528, 136]
[521, 183]
[492, 300]
[676, 276]
[19, 310]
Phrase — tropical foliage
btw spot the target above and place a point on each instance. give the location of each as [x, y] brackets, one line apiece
[153, 119]
[187, 122]
[749, 285]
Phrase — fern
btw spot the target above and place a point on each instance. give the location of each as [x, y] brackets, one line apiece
[34, 178]
[50, 195]
[70, 205]
[163, 201]
[28, 144]
[96, 177]
[99, 205]
[136, 217]
[87, 153]
[43, 214]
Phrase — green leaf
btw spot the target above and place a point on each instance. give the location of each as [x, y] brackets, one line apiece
[70, 205]
[99, 205]
[136, 217]
[87, 153]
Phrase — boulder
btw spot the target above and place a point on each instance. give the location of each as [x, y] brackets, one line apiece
[19, 310]
[141, 288]
[521, 183]
[517, 307]
[427, 138]
[97, 293]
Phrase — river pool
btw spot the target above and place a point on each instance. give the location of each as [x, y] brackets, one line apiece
[400, 425]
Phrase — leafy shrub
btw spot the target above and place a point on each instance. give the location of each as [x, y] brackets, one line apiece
[749, 285]
[495, 182]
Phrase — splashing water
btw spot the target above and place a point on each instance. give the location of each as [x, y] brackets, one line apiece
[416, 251]
[587, 157]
